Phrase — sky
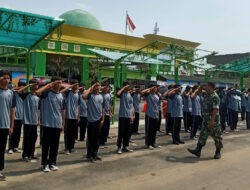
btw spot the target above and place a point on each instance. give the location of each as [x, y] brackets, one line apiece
[219, 25]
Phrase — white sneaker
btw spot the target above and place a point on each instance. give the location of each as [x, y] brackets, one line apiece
[127, 149]
[119, 151]
[16, 150]
[53, 168]
[150, 147]
[46, 168]
[10, 151]
[67, 152]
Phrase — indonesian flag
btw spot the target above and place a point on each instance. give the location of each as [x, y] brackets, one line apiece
[130, 24]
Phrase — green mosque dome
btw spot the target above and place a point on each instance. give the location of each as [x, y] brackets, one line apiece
[81, 18]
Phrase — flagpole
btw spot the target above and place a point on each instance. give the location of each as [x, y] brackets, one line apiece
[126, 28]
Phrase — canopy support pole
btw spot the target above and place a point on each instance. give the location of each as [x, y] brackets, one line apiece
[241, 80]
[115, 87]
[206, 76]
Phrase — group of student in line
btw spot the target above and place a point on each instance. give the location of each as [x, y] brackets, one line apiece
[55, 110]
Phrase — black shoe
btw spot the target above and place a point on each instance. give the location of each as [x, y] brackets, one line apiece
[90, 160]
[217, 154]
[33, 158]
[181, 142]
[175, 142]
[97, 158]
[2, 177]
[196, 152]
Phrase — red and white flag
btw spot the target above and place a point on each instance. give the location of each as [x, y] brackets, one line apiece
[130, 24]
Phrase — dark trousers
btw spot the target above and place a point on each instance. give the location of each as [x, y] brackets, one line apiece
[169, 123]
[243, 113]
[70, 135]
[93, 132]
[105, 130]
[159, 121]
[187, 120]
[151, 129]
[196, 122]
[135, 125]
[29, 140]
[83, 126]
[41, 134]
[233, 119]
[176, 129]
[14, 139]
[223, 118]
[124, 131]
[50, 145]
[3, 141]
[248, 119]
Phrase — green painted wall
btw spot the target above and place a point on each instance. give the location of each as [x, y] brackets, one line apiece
[38, 61]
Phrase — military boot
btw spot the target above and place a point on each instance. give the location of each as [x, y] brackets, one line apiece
[197, 151]
[217, 154]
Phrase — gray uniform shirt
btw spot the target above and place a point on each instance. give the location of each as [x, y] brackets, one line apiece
[247, 104]
[19, 107]
[169, 106]
[53, 105]
[177, 106]
[196, 106]
[72, 103]
[243, 100]
[7, 101]
[83, 106]
[30, 109]
[107, 103]
[95, 106]
[126, 105]
[233, 102]
[152, 105]
[187, 104]
[136, 101]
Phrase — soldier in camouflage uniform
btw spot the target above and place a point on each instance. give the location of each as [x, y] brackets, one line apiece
[211, 118]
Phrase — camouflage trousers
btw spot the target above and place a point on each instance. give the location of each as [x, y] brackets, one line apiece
[215, 133]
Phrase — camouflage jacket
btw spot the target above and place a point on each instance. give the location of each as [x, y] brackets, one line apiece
[211, 102]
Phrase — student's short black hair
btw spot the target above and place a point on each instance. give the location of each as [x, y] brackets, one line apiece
[94, 81]
[211, 85]
[21, 83]
[137, 86]
[248, 90]
[125, 83]
[170, 87]
[195, 87]
[188, 88]
[55, 78]
[82, 84]
[33, 81]
[152, 85]
[74, 81]
[5, 72]
[105, 84]
[176, 86]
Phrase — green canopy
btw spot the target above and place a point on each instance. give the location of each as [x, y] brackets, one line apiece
[130, 58]
[241, 65]
[24, 30]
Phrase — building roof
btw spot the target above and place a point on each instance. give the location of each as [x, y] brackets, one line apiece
[223, 59]
[81, 18]
[169, 40]
[81, 35]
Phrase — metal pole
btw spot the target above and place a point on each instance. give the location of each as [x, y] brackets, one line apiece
[115, 86]
[241, 80]
[28, 67]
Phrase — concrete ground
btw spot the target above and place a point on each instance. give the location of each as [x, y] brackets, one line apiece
[169, 167]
